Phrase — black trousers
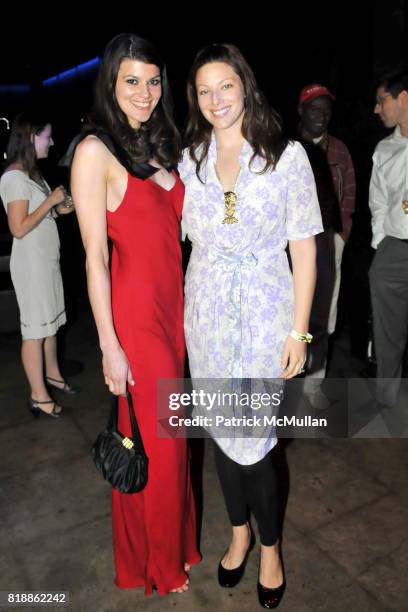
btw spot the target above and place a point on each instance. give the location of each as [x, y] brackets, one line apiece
[250, 486]
[389, 296]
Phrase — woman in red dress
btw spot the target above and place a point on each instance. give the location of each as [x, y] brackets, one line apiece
[125, 188]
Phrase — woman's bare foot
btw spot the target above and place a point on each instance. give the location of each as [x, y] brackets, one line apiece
[270, 571]
[182, 589]
[241, 537]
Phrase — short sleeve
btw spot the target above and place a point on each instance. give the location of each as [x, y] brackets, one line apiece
[14, 186]
[303, 218]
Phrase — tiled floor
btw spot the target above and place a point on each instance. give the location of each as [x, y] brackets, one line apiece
[345, 540]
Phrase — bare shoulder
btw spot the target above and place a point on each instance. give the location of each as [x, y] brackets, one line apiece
[92, 147]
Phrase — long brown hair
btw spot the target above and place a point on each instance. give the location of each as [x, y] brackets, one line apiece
[158, 137]
[20, 147]
[261, 126]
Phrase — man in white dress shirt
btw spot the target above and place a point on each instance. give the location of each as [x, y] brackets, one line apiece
[389, 270]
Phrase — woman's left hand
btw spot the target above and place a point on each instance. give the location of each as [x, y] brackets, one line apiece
[61, 209]
[66, 206]
[293, 358]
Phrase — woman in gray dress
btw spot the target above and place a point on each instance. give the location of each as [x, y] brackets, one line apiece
[31, 209]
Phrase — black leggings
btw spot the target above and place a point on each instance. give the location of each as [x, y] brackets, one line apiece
[253, 486]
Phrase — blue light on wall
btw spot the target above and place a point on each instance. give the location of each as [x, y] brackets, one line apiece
[73, 72]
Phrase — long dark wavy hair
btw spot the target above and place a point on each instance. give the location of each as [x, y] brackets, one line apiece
[261, 126]
[20, 147]
[158, 137]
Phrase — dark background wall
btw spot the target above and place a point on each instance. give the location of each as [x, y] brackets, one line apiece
[340, 44]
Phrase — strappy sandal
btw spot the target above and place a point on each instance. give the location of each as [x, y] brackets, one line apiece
[67, 388]
[36, 411]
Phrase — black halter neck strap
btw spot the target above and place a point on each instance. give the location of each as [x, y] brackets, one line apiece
[141, 170]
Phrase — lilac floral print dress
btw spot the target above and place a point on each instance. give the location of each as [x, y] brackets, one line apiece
[239, 301]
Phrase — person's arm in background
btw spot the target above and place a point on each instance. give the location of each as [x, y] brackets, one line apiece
[89, 177]
[21, 222]
[303, 222]
[378, 203]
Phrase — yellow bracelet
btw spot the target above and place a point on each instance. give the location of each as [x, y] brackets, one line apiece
[301, 337]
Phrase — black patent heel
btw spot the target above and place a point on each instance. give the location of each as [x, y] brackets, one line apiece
[229, 578]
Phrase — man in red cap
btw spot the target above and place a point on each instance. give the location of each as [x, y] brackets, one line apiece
[315, 103]
[335, 179]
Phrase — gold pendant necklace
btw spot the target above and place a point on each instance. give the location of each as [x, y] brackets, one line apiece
[230, 201]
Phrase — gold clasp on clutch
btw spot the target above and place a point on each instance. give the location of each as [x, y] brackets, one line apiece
[127, 443]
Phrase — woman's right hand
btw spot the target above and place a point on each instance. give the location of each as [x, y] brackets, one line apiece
[116, 370]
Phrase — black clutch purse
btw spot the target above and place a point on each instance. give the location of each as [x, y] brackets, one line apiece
[122, 461]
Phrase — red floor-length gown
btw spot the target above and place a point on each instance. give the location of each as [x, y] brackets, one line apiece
[154, 531]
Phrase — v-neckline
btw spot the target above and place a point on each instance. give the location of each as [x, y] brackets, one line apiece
[235, 182]
[160, 186]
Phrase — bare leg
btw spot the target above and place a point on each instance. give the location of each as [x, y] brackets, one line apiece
[32, 358]
[33, 363]
[271, 572]
[51, 363]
